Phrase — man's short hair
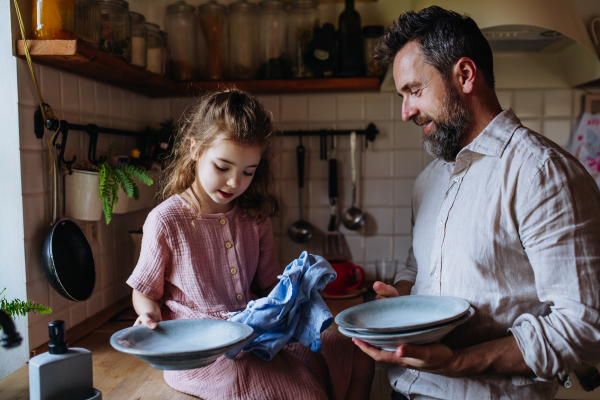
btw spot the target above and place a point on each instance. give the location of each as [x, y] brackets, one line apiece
[444, 38]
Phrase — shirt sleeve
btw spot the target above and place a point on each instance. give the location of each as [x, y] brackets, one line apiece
[559, 226]
[409, 271]
[154, 263]
[268, 265]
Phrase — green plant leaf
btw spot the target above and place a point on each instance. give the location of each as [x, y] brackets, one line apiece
[19, 308]
[125, 181]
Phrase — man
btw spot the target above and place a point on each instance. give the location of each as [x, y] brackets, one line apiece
[503, 218]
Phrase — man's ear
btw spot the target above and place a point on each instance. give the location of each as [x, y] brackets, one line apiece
[465, 70]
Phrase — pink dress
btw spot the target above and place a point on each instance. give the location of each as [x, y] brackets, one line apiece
[204, 267]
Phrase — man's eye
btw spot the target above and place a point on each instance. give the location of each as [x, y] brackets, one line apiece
[219, 168]
[416, 92]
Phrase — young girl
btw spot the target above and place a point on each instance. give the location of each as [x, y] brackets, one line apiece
[208, 250]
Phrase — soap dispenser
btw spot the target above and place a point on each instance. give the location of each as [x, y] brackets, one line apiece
[62, 372]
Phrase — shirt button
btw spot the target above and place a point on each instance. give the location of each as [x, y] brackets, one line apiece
[228, 245]
[456, 179]
[414, 371]
[233, 271]
[440, 224]
[222, 221]
[239, 297]
[435, 275]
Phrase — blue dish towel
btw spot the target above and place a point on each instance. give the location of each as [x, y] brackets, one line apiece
[293, 312]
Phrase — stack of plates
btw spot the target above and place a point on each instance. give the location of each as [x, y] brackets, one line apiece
[388, 323]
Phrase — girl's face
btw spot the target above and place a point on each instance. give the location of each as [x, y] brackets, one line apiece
[223, 172]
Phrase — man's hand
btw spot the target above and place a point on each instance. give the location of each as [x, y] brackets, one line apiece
[402, 288]
[434, 358]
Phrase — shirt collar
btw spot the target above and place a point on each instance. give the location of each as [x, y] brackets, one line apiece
[493, 139]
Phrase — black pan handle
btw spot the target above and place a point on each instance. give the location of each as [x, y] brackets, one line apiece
[300, 156]
[333, 181]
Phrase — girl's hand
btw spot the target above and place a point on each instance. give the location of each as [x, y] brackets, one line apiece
[147, 319]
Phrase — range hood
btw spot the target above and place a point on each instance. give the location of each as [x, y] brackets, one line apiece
[536, 43]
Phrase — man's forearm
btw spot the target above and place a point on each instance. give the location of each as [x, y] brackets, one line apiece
[403, 287]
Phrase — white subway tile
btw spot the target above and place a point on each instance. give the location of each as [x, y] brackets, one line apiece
[319, 218]
[102, 99]
[342, 143]
[379, 247]
[129, 105]
[557, 103]
[289, 193]
[378, 192]
[94, 303]
[559, 131]
[403, 192]
[57, 302]
[527, 103]
[397, 107]
[35, 218]
[38, 292]
[87, 96]
[379, 106]
[533, 124]
[291, 142]
[379, 164]
[28, 140]
[143, 110]
[351, 107]
[69, 92]
[108, 297]
[315, 167]
[116, 103]
[427, 159]
[108, 270]
[290, 250]
[402, 218]
[271, 103]
[33, 260]
[318, 193]
[294, 108]
[408, 163]
[78, 313]
[384, 140]
[38, 333]
[356, 244]
[276, 225]
[278, 239]
[407, 135]
[380, 221]
[505, 98]
[322, 108]
[50, 87]
[27, 93]
[32, 170]
[401, 246]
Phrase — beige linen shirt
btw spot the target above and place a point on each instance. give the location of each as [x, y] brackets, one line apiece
[513, 227]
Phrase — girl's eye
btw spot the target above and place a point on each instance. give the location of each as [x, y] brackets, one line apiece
[220, 169]
[249, 174]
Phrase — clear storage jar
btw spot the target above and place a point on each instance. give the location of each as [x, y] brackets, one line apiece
[213, 46]
[139, 35]
[371, 34]
[302, 22]
[154, 45]
[180, 23]
[243, 40]
[165, 52]
[273, 57]
[66, 20]
[115, 29]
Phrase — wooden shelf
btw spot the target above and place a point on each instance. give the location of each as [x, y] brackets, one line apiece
[82, 59]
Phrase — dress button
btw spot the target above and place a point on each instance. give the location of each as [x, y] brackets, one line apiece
[239, 297]
[228, 245]
[233, 271]
[222, 221]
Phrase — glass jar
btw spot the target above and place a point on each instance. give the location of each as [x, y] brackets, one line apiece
[66, 19]
[272, 44]
[139, 35]
[213, 46]
[371, 34]
[115, 31]
[243, 40]
[303, 20]
[154, 45]
[165, 52]
[180, 24]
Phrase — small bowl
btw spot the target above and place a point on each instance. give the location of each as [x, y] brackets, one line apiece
[391, 341]
[181, 344]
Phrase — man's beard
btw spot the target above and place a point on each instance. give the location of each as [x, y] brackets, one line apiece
[449, 129]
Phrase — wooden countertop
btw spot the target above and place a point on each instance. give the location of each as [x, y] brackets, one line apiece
[122, 376]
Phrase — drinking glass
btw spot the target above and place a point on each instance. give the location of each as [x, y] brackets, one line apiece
[385, 271]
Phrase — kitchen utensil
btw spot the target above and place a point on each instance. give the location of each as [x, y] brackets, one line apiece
[400, 314]
[354, 217]
[344, 282]
[181, 344]
[334, 247]
[301, 231]
[391, 341]
[385, 271]
[66, 254]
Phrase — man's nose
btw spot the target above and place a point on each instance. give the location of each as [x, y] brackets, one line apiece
[408, 110]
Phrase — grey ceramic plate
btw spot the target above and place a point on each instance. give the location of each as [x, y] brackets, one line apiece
[181, 344]
[400, 314]
[391, 341]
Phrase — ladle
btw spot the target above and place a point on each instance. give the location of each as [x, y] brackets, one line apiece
[301, 231]
[354, 217]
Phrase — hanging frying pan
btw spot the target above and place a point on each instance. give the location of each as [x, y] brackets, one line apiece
[66, 254]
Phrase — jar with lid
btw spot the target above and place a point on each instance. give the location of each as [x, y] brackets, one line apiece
[66, 20]
[243, 40]
[180, 23]
[139, 34]
[303, 20]
[213, 46]
[272, 43]
[165, 52]
[371, 34]
[154, 44]
[115, 30]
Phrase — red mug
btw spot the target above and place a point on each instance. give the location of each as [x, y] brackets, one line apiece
[343, 283]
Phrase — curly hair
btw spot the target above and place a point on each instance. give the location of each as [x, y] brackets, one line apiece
[443, 36]
[224, 115]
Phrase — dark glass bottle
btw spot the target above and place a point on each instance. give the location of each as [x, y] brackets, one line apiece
[351, 46]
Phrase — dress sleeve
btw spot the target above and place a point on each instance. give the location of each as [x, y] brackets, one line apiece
[559, 226]
[268, 265]
[154, 263]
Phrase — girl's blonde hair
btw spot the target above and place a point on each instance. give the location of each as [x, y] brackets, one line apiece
[224, 115]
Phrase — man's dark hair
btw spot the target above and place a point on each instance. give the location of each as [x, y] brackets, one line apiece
[444, 37]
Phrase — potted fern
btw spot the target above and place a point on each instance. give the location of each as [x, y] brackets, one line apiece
[19, 308]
